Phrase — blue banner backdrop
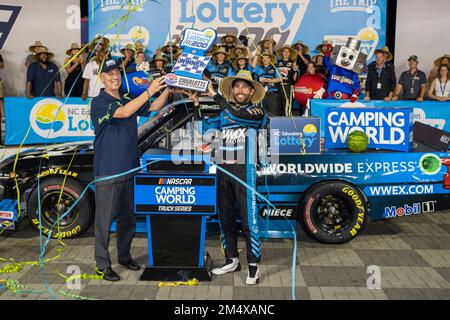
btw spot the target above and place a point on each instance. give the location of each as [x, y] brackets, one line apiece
[155, 22]
[432, 113]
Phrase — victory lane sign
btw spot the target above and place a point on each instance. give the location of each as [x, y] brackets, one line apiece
[188, 71]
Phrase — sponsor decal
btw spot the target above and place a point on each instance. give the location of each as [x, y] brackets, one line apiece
[290, 136]
[401, 190]
[8, 215]
[387, 128]
[360, 205]
[50, 118]
[421, 116]
[175, 181]
[56, 171]
[175, 195]
[277, 213]
[409, 210]
[7, 224]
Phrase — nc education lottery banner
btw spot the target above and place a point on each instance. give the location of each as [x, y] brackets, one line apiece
[155, 22]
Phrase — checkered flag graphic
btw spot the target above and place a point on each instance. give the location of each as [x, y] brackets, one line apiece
[191, 63]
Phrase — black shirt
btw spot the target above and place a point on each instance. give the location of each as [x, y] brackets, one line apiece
[412, 84]
[116, 140]
[380, 84]
[285, 68]
[302, 66]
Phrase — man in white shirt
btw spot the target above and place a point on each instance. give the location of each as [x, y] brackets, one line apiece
[92, 83]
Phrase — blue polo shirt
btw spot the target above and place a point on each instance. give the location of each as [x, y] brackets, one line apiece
[116, 140]
[43, 80]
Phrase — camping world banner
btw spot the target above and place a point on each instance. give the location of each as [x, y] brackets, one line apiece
[155, 22]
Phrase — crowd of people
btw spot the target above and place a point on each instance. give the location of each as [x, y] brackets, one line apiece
[276, 69]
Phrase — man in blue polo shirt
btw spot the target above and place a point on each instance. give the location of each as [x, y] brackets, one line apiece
[43, 79]
[116, 152]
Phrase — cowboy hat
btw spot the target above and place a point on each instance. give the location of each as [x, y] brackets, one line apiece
[235, 39]
[293, 52]
[74, 46]
[324, 43]
[45, 50]
[273, 58]
[221, 50]
[438, 61]
[128, 47]
[241, 47]
[160, 57]
[212, 50]
[227, 84]
[304, 46]
[103, 40]
[35, 45]
[167, 47]
[390, 57]
[274, 43]
[235, 61]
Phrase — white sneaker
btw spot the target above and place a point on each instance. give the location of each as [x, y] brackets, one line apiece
[253, 275]
[229, 266]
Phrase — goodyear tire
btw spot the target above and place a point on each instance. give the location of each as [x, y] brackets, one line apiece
[75, 223]
[333, 212]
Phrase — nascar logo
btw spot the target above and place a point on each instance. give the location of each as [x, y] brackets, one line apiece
[175, 181]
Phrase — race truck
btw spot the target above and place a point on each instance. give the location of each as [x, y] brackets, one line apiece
[331, 195]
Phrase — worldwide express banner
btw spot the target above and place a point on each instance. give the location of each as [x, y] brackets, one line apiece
[155, 22]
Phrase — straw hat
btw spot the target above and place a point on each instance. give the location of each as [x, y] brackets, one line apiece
[167, 47]
[390, 57]
[324, 43]
[304, 46]
[221, 50]
[227, 83]
[438, 61]
[274, 43]
[45, 50]
[235, 39]
[293, 52]
[273, 58]
[212, 50]
[160, 57]
[74, 46]
[241, 47]
[103, 40]
[35, 45]
[235, 61]
[128, 47]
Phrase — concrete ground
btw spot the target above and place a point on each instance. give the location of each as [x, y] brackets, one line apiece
[413, 257]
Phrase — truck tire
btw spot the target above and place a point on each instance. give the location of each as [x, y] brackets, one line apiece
[73, 225]
[333, 212]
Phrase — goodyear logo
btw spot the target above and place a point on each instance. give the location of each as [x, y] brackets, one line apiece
[50, 119]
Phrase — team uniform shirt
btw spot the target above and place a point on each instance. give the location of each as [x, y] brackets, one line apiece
[217, 72]
[116, 140]
[412, 84]
[234, 72]
[233, 123]
[269, 72]
[91, 73]
[341, 80]
[43, 80]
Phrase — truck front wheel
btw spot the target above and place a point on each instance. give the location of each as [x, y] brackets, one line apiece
[54, 205]
[333, 212]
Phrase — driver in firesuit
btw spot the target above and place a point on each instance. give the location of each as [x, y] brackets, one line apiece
[235, 152]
